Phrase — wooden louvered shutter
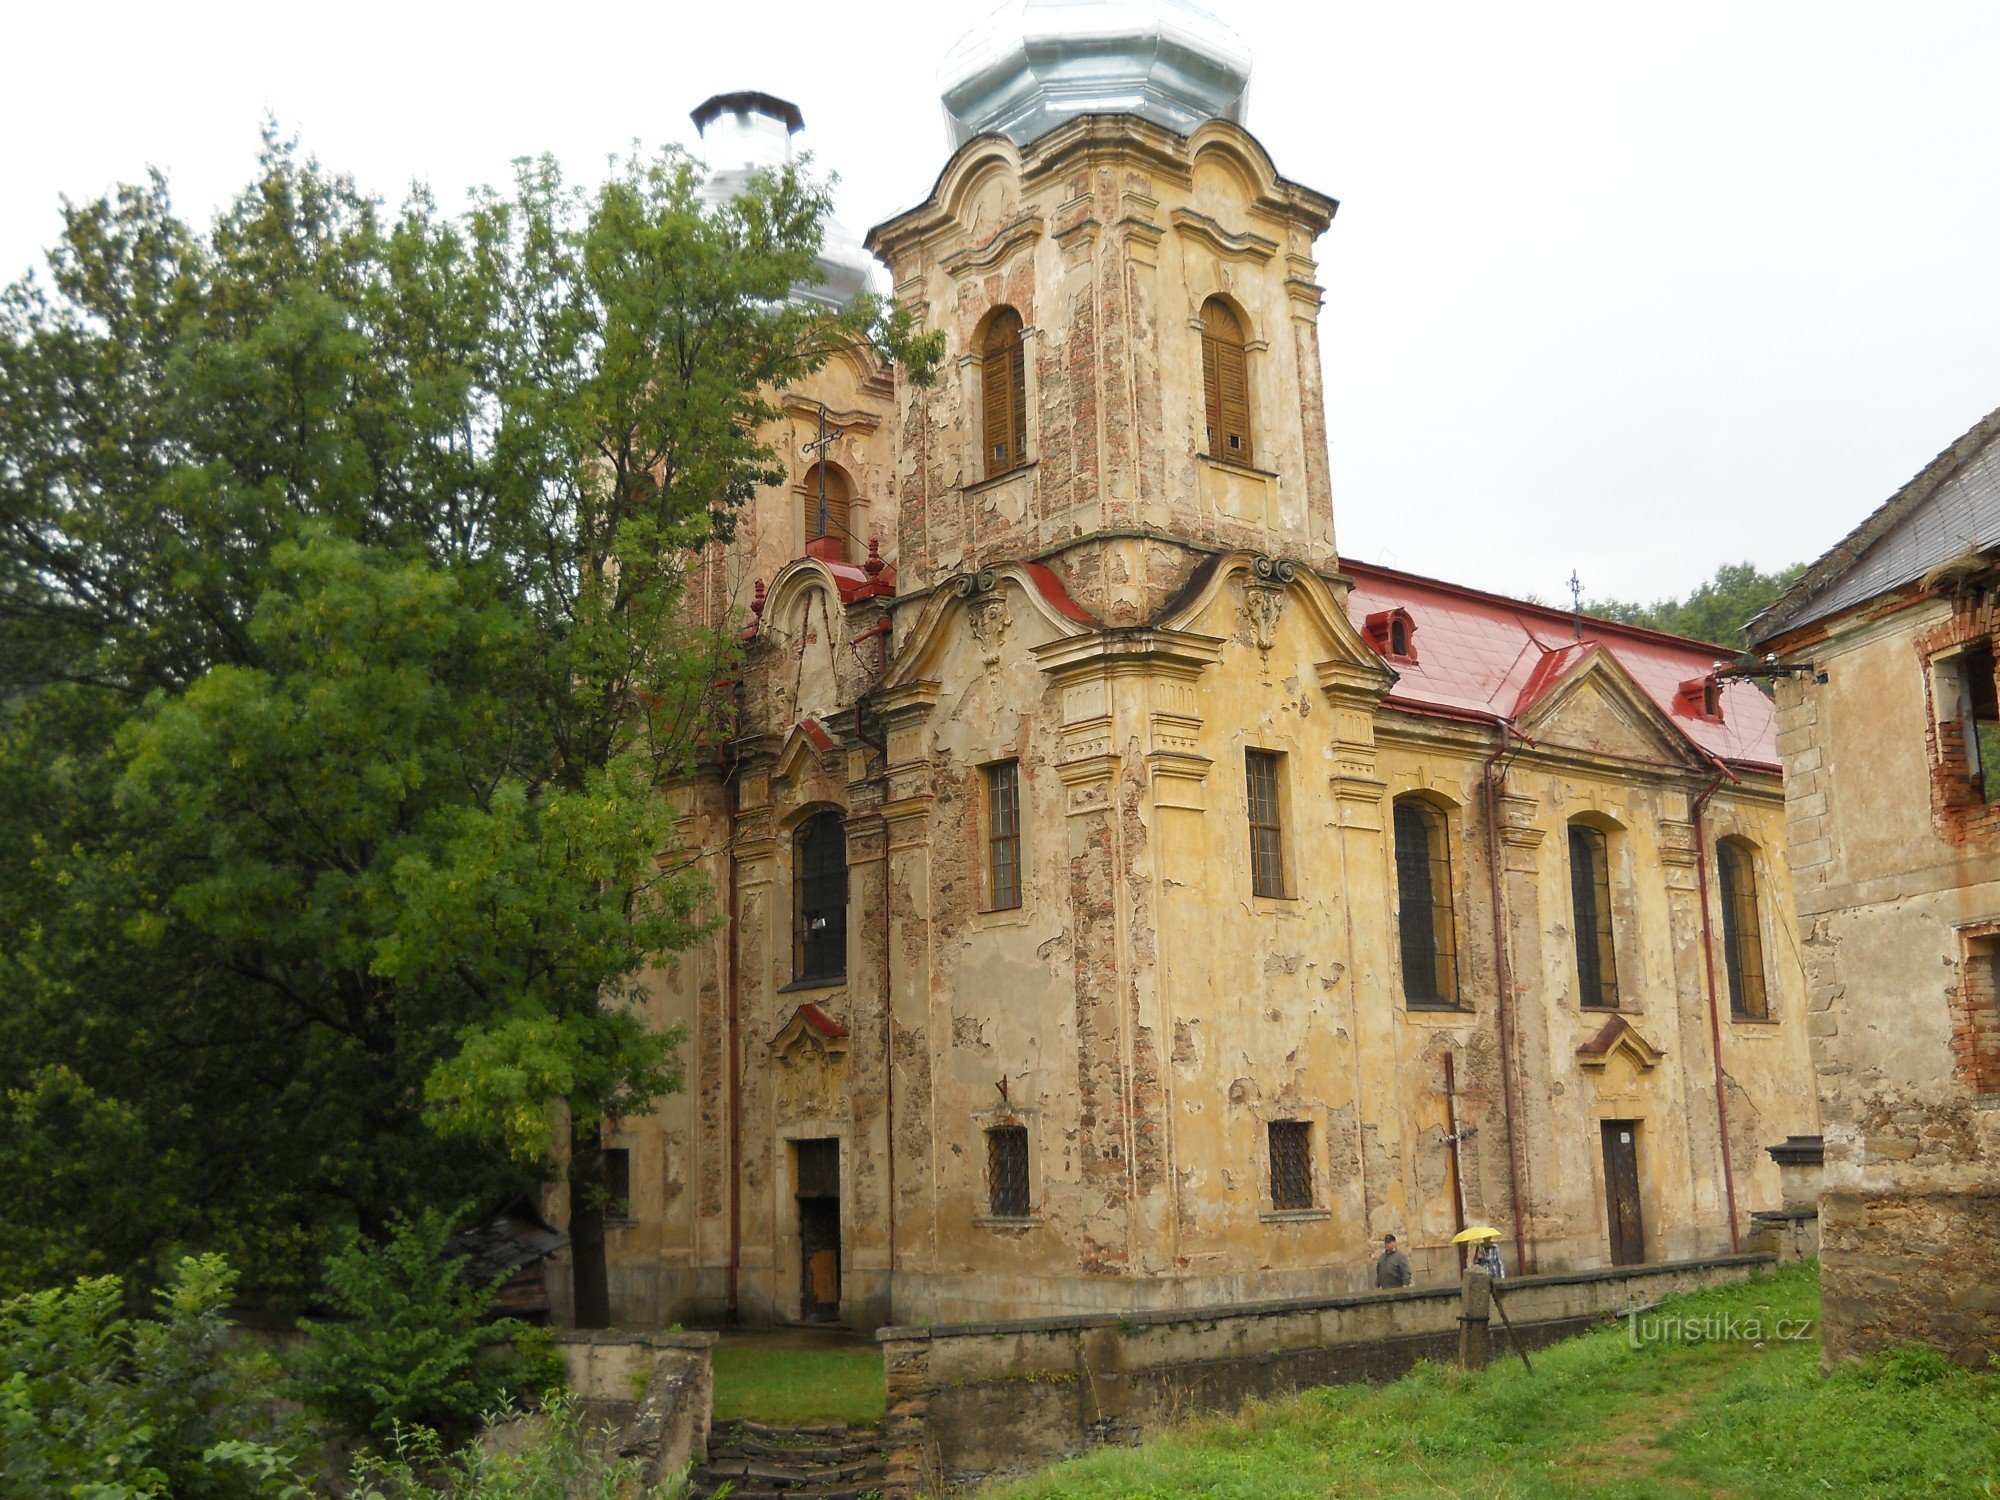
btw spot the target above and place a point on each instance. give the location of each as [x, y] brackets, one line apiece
[837, 500]
[1004, 378]
[1225, 380]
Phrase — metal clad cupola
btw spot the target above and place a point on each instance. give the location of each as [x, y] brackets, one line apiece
[1032, 64]
[748, 132]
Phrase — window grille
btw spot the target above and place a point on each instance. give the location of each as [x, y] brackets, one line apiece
[1742, 937]
[1003, 834]
[820, 898]
[617, 1182]
[1423, 890]
[1590, 901]
[1003, 375]
[1007, 1171]
[1291, 1164]
[1267, 837]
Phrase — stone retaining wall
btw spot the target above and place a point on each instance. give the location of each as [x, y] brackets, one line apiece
[971, 1401]
[658, 1389]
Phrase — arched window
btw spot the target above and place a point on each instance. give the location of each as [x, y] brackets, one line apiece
[1423, 901]
[1225, 382]
[1742, 936]
[819, 893]
[1003, 379]
[834, 522]
[1590, 907]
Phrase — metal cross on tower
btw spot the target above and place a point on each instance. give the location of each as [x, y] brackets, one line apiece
[818, 449]
[1576, 602]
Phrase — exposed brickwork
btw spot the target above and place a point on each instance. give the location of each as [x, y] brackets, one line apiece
[1975, 1012]
[1959, 808]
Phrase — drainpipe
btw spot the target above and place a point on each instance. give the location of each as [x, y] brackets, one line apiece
[1504, 984]
[1714, 1007]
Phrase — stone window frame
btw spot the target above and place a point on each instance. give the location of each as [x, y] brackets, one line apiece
[1627, 942]
[1292, 1112]
[1449, 813]
[795, 825]
[806, 491]
[987, 771]
[1767, 928]
[972, 374]
[1975, 1013]
[1287, 827]
[1029, 1118]
[1960, 812]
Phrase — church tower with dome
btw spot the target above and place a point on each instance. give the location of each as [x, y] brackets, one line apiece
[1123, 901]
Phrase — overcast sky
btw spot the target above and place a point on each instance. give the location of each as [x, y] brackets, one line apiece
[1627, 288]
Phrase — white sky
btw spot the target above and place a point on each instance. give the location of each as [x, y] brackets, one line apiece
[1628, 288]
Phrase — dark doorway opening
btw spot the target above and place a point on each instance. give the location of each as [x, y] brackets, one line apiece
[819, 1229]
[1621, 1192]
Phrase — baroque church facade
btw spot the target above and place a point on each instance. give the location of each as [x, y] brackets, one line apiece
[1124, 901]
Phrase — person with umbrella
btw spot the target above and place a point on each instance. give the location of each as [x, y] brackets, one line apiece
[1486, 1252]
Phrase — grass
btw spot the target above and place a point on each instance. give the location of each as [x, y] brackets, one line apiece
[1597, 1417]
[798, 1387]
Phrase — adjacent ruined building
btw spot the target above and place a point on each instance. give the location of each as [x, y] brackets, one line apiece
[1890, 726]
[1127, 902]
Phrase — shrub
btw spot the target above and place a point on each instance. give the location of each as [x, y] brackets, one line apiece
[95, 1404]
[561, 1460]
[414, 1346]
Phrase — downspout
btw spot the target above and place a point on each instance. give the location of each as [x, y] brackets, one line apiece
[1714, 1006]
[1504, 985]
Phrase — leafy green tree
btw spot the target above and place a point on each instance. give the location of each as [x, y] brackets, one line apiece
[342, 580]
[1716, 611]
[96, 1404]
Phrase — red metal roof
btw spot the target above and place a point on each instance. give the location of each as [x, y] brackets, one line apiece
[1483, 655]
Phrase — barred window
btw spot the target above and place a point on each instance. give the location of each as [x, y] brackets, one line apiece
[1590, 904]
[1291, 1164]
[819, 881]
[1267, 835]
[1423, 899]
[617, 1183]
[1003, 835]
[1742, 937]
[1007, 1171]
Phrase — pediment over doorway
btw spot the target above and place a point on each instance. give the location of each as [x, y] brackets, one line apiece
[1617, 1037]
[810, 1030]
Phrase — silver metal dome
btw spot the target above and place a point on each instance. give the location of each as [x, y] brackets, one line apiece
[1032, 64]
[746, 133]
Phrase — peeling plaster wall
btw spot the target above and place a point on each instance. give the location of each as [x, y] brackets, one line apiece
[1142, 1014]
[1887, 879]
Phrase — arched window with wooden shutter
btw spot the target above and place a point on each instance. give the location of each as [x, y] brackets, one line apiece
[1003, 370]
[838, 494]
[1225, 382]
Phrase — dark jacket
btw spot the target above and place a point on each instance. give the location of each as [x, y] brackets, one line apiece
[1393, 1269]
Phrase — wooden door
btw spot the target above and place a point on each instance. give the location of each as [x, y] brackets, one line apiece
[1621, 1192]
[819, 1230]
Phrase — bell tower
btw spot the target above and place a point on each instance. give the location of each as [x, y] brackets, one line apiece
[1129, 299]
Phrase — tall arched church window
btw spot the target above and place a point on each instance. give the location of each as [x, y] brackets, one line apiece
[1742, 935]
[819, 898]
[833, 522]
[1423, 899]
[1590, 910]
[1225, 382]
[1003, 371]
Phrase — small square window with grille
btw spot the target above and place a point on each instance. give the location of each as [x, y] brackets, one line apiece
[1291, 1164]
[1007, 1170]
[617, 1183]
[1003, 834]
[1267, 833]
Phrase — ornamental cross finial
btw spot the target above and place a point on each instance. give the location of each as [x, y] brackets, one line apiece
[1576, 602]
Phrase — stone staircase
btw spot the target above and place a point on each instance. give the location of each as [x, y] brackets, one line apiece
[759, 1461]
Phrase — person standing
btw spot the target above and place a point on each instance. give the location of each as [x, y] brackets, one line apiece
[1487, 1258]
[1393, 1269]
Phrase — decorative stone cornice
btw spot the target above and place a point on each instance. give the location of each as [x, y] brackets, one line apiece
[1008, 238]
[1129, 650]
[1228, 245]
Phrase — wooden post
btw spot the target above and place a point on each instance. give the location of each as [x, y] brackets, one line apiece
[1475, 1310]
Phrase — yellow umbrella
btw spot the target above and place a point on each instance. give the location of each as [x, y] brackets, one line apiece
[1477, 1232]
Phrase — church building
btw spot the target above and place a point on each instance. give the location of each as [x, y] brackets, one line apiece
[1124, 900]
